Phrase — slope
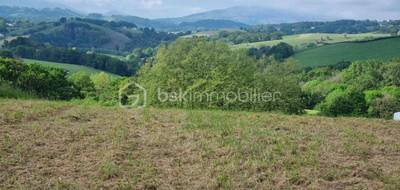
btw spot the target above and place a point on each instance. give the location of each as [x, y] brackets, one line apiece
[69, 67]
[383, 49]
[301, 41]
[61, 145]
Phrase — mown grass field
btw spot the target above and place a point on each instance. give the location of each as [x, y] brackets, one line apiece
[56, 145]
[384, 49]
[69, 67]
[300, 41]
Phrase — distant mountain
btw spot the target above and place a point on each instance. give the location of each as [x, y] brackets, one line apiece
[38, 15]
[144, 22]
[247, 15]
[210, 25]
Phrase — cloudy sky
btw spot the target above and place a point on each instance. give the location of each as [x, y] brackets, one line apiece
[356, 9]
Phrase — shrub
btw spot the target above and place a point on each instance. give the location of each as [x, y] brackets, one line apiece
[384, 107]
[45, 82]
[344, 103]
[83, 82]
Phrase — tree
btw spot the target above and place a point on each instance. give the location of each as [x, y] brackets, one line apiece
[282, 51]
[364, 75]
[83, 82]
[392, 73]
[214, 73]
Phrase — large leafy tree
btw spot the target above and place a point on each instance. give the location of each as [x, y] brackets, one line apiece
[210, 72]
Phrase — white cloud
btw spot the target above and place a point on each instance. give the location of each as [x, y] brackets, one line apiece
[149, 4]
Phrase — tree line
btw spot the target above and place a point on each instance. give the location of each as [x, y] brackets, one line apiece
[339, 27]
[363, 88]
[26, 48]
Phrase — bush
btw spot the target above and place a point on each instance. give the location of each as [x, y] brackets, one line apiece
[7, 91]
[316, 91]
[384, 107]
[344, 103]
[83, 83]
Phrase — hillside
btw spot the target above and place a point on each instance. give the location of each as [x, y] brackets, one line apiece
[165, 25]
[62, 145]
[247, 15]
[90, 33]
[301, 41]
[383, 49]
[37, 15]
[69, 67]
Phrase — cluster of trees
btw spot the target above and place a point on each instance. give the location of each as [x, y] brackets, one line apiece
[74, 34]
[238, 37]
[340, 27]
[280, 51]
[44, 82]
[99, 88]
[36, 81]
[148, 37]
[26, 48]
[367, 88]
[207, 70]
[139, 56]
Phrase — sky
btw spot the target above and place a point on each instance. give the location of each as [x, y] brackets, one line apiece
[352, 9]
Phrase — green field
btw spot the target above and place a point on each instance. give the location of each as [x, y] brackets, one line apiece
[300, 41]
[70, 67]
[383, 49]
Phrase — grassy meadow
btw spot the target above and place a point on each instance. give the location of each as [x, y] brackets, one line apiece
[62, 145]
[383, 49]
[69, 67]
[300, 41]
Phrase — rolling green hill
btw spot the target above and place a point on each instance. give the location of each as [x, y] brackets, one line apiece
[70, 67]
[85, 33]
[384, 49]
[300, 41]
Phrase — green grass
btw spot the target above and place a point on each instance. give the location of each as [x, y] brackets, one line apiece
[383, 49]
[69, 67]
[301, 40]
[93, 147]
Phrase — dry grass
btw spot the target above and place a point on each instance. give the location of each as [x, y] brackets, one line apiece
[52, 145]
